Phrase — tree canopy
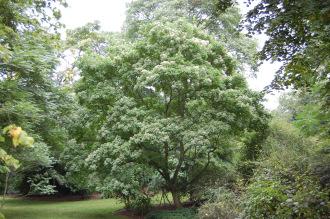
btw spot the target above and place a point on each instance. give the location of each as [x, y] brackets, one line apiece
[297, 30]
[215, 17]
[171, 100]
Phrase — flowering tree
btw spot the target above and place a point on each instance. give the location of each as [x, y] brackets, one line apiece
[171, 101]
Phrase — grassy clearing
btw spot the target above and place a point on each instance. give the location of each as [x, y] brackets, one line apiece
[88, 209]
[16, 208]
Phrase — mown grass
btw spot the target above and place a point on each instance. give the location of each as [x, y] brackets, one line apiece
[16, 208]
[88, 209]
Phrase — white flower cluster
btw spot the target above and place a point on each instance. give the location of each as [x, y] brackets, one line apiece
[200, 41]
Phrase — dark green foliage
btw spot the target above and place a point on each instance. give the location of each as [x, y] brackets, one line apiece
[297, 30]
[265, 198]
[140, 205]
[286, 184]
[29, 55]
[73, 159]
[246, 168]
[183, 213]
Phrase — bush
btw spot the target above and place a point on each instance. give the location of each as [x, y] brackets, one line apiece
[183, 213]
[222, 203]
[289, 181]
[246, 168]
[263, 199]
[275, 198]
[140, 205]
[2, 216]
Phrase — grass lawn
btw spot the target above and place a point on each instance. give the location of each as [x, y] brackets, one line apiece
[87, 209]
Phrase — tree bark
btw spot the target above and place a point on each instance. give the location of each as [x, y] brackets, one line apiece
[176, 199]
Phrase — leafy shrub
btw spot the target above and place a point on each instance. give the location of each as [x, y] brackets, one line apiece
[128, 186]
[2, 216]
[287, 183]
[263, 199]
[222, 203]
[246, 168]
[215, 178]
[303, 198]
[140, 205]
[40, 185]
[183, 213]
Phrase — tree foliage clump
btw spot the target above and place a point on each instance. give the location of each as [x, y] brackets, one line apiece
[214, 16]
[29, 49]
[298, 36]
[17, 137]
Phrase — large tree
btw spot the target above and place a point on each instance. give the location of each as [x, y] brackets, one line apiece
[172, 101]
[217, 17]
[298, 34]
[29, 49]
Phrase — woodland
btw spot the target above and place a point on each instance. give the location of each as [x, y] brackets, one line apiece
[162, 111]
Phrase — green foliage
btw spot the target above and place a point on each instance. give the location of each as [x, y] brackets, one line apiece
[39, 155]
[183, 213]
[28, 58]
[39, 185]
[213, 16]
[18, 137]
[88, 38]
[171, 101]
[9, 162]
[221, 203]
[264, 199]
[286, 184]
[308, 110]
[127, 183]
[140, 205]
[77, 174]
[297, 30]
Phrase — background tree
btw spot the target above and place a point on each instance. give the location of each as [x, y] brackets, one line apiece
[29, 52]
[297, 30]
[214, 16]
[11, 137]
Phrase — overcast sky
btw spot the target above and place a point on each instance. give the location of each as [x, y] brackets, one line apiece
[111, 14]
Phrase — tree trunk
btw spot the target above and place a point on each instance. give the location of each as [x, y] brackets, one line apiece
[176, 199]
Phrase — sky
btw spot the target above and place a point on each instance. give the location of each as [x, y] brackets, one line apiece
[111, 14]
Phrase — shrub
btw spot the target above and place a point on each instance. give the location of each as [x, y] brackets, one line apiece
[278, 198]
[289, 181]
[40, 185]
[263, 199]
[183, 213]
[222, 203]
[140, 205]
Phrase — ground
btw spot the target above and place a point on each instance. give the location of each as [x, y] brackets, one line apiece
[73, 207]
[85, 209]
